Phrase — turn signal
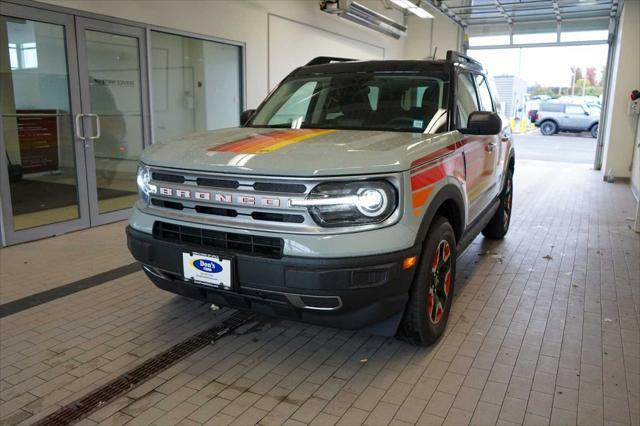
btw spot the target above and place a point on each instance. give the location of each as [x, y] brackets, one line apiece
[409, 262]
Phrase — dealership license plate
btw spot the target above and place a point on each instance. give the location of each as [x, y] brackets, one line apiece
[207, 269]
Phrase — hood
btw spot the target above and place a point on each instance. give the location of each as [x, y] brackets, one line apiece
[293, 152]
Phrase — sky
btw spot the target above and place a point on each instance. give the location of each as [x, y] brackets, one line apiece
[547, 66]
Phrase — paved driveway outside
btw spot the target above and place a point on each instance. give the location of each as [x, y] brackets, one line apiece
[563, 147]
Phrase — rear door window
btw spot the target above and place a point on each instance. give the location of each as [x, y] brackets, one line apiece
[552, 107]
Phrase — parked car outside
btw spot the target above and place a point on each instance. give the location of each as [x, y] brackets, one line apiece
[554, 117]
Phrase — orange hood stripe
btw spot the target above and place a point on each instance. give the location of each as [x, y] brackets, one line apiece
[268, 142]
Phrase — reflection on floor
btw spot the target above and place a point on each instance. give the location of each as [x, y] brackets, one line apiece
[45, 199]
[61, 214]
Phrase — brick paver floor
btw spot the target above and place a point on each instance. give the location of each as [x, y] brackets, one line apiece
[544, 330]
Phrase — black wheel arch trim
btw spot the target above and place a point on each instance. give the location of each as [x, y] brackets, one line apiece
[449, 192]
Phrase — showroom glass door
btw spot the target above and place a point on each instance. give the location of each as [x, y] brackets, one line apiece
[112, 69]
[42, 168]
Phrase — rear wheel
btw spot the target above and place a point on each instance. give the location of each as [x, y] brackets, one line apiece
[498, 226]
[594, 131]
[432, 291]
[548, 128]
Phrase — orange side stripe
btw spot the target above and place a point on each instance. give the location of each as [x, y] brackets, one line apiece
[418, 198]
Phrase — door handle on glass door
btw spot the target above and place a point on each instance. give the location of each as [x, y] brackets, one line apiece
[97, 135]
[79, 134]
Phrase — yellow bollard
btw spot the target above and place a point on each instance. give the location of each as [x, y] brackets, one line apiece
[523, 126]
[512, 122]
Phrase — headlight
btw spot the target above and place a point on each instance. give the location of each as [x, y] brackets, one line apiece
[350, 203]
[145, 189]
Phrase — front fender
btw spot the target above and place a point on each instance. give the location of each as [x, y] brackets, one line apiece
[453, 195]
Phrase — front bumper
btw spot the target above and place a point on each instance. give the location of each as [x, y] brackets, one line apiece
[351, 293]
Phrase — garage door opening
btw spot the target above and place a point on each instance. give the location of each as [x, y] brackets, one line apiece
[543, 52]
[552, 96]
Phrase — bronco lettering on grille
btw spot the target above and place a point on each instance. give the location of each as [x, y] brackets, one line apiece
[221, 197]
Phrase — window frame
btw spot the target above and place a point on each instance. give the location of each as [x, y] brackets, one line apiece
[459, 71]
[486, 83]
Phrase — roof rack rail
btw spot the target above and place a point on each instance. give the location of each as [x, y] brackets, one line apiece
[327, 60]
[453, 56]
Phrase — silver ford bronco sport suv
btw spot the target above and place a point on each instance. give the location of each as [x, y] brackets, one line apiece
[343, 200]
[552, 118]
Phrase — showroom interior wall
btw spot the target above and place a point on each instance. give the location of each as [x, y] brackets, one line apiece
[427, 36]
[251, 22]
[620, 130]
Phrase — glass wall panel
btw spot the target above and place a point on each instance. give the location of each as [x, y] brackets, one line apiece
[37, 123]
[116, 97]
[195, 85]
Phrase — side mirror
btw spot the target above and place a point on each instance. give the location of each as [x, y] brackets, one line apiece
[246, 116]
[483, 123]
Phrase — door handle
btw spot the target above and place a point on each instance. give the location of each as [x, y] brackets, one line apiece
[490, 146]
[79, 134]
[97, 135]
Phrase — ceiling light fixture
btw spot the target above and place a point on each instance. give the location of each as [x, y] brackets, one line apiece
[413, 8]
[362, 15]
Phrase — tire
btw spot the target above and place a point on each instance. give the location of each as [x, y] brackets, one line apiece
[548, 128]
[594, 131]
[431, 293]
[498, 226]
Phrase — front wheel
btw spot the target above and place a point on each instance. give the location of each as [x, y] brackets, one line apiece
[594, 131]
[498, 226]
[431, 294]
[548, 128]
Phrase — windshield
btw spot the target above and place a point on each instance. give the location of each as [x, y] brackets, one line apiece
[360, 101]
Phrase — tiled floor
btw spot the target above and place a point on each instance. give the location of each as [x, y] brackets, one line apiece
[544, 329]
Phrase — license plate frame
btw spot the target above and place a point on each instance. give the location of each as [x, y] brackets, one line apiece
[207, 269]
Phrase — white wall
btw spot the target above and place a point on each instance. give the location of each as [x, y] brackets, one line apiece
[247, 21]
[308, 43]
[620, 125]
[425, 35]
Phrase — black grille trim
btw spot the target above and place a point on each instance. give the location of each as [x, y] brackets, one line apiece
[277, 217]
[167, 204]
[217, 211]
[238, 243]
[167, 177]
[288, 188]
[218, 183]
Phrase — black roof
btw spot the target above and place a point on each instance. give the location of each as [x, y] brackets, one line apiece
[332, 65]
[370, 66]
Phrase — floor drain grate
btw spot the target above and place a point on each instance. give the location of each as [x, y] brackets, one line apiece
[106, 393]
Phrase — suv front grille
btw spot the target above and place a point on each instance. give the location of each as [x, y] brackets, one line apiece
[237, 243]
[240, 201]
